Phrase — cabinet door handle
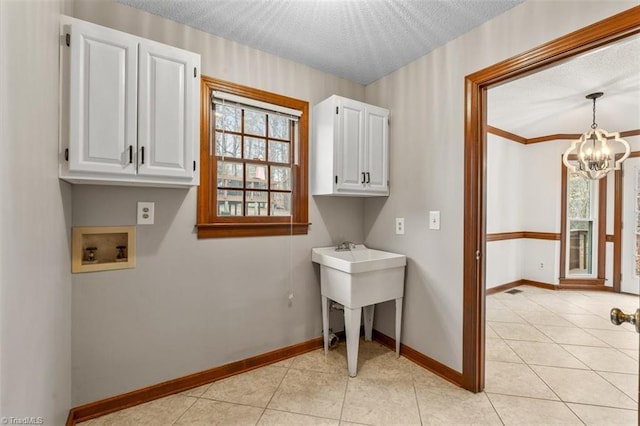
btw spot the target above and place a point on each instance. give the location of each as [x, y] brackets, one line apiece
[130, 154]
[363, 177]
[368, 177]
[142, 155]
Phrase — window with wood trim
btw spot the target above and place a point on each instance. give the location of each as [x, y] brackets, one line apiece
[254, 155]
[582, 249]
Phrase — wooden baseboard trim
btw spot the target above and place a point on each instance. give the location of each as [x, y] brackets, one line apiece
[539, 284]
[503, 287]
[508, 286]
[70, 420]
[579, 285]
[422, 360]
[160, 390]
[120, 402]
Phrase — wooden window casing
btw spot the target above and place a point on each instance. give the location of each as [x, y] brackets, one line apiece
[209, 224]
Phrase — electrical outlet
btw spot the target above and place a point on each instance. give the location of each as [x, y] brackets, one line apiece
[541, 265]
[399, 225]
[146, 213]
[434, 220]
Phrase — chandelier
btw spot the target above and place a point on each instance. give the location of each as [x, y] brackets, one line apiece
[594, 157]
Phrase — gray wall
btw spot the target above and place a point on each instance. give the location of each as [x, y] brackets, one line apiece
[35, 219]
[191, 304]
[426, 99]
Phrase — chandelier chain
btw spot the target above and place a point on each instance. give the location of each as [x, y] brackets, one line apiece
[594, 125]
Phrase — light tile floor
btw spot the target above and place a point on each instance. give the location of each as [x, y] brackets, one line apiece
[551, 358]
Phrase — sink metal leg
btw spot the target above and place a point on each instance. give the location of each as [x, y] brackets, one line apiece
[352, 329]
[368, 321]
[398, 324]
[325, 323]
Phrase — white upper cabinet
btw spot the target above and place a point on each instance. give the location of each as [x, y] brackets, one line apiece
[130, 111]
[168, 99]
[103, 113]
[350, 148]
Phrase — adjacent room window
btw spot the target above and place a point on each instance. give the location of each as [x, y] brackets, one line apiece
[581, 215]
[582, 249]
[254, 178]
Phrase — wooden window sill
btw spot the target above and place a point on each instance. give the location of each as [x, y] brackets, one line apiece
[231, 230]
[582, 281]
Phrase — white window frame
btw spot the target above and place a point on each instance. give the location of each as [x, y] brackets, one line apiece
[593, 218]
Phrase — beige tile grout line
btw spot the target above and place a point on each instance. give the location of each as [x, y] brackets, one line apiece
[494, 407]
[415, 395]
[185, 411]
[264, 410]
[344, 396]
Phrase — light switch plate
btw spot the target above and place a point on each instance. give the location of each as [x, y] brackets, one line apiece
[434, 220]
[146, 212]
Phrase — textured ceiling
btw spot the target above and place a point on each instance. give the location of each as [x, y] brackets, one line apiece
[553, 100]
[364, 40]
[360, 40]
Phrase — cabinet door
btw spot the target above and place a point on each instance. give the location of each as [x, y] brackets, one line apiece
[103, 97]
[350, 145]
[168, 111]
[377, 163]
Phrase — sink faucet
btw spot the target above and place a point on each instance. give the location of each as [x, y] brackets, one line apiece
[345, 246]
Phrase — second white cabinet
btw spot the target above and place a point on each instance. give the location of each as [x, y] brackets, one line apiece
[130, 109]
[350, 148]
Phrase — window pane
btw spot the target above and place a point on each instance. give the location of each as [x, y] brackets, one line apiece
[279, 127]
[227, 117]
[229, 203]
[230, 174]
[580, 246]
[579, 197]
[279, 152]
[254, 148]
[255, 123]
[257, 203]
[228, 145]
[256, 176]
[281, 178]
[280, 204]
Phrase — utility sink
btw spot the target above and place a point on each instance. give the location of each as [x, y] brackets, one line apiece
[358, 278]
[358, 259]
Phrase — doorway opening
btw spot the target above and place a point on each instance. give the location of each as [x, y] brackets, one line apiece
[610, 30]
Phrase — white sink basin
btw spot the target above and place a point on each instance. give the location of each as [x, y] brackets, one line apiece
[358, 259]
[358, 279]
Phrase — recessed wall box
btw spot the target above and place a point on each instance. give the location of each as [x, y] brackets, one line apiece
[103, 248]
